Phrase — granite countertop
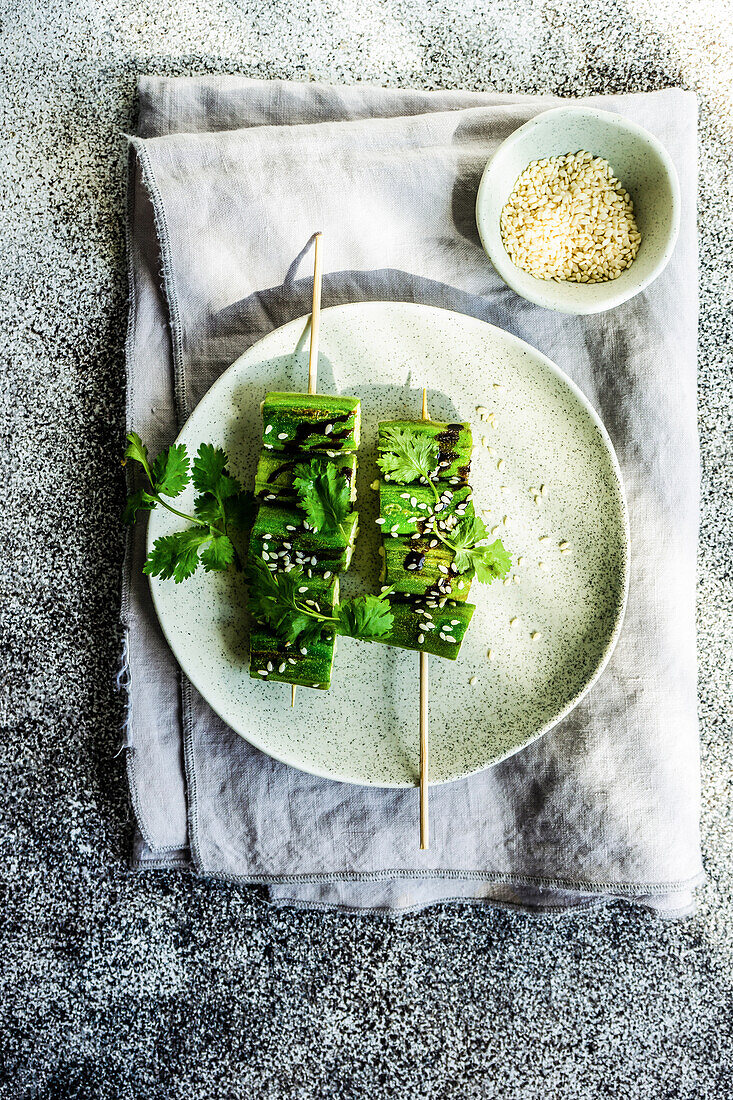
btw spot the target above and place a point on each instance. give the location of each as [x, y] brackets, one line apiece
[159, 985]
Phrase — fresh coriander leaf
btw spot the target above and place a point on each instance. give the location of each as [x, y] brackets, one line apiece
[313, 632]
[208, 509]
[274, 601]
[469, 531]
[218, 554]
[487, 562]
[137, 451]
[491, 562]
[139, 501]
[240, 510]
[176, 555]
[209, 465]
[365, 617]
[169, 473]
[323, 494]
[407, 456]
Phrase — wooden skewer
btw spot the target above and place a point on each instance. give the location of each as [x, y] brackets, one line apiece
[424, 830]
[315, 316]
[313, 356]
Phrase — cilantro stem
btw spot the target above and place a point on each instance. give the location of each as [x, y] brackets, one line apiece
[183, 515]
[436, 532]
[315, 614]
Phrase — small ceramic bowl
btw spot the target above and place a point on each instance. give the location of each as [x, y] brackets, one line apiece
[638, 160]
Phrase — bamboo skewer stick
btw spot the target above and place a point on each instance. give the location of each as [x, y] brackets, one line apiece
[424, 683]
[315, 316]
[315, 333]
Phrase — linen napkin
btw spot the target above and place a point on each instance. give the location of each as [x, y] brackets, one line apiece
[228, 180]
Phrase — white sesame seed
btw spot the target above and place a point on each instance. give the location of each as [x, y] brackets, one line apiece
[282, 435]
[490, 654]
[328, 429]
[535, 635]
[541, 565]
[473, 680]
[268, 429]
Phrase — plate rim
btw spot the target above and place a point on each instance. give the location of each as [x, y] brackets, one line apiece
[518, 342]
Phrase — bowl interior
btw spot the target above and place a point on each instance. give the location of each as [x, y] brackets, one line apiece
[637, 161]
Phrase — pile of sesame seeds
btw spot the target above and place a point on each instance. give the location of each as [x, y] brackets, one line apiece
[568, 218]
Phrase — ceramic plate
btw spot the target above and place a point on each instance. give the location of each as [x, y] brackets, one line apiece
[365, 729]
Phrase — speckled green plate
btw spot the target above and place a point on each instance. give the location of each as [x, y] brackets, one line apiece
[365, 729]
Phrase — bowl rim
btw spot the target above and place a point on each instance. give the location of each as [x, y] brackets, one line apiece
[504, 266]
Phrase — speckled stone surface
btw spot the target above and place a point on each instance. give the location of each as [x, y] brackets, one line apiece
[116, 985]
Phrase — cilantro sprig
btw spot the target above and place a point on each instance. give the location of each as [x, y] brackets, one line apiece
[407, 458]
[221, 507]
[323, 494]
[486, 562]
[274, 600]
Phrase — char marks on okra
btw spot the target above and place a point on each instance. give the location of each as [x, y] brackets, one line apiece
[434, 545]
[303, 538]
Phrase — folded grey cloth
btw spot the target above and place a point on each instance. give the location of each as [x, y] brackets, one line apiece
[229, 179]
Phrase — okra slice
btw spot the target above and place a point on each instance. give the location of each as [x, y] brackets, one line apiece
[275, 474]
[281, 539]
[311, 422]
[405, 508]
[308, 665]
[455, 444]
[416, 568]
[437, 630]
